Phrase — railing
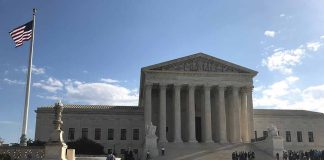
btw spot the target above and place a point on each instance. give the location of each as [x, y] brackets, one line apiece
[23, 153]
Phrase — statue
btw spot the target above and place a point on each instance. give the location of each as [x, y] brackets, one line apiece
[150, 130]
[150, 144]
[273, 130]
[55, 148]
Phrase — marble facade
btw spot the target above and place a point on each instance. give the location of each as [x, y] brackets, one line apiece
[194, 99]
[201, 94]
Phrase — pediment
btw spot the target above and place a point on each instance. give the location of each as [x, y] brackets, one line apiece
[200, 62]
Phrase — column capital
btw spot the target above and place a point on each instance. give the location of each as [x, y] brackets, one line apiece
[207, 86]
[177, 85]
[163, 85]
[221, 86]
[244, 90]
[249, 88]
[192, 85]
[148, 84]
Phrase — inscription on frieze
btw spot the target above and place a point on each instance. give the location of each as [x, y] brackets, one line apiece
[199, 64]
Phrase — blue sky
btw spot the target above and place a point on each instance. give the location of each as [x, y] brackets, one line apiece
[91, 52]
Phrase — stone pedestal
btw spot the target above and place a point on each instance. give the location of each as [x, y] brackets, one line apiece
[55, 151]
[273, 144]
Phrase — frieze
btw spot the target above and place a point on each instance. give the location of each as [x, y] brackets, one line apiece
[199, 64]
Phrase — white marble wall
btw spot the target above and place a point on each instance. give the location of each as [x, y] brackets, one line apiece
[293, 121]
[92, 121]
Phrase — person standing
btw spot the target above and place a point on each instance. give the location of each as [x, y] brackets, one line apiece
[163, 151]
[148, 156]
[110, 156]
[277, 156]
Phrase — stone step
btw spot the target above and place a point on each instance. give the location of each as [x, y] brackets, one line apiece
[200, 151]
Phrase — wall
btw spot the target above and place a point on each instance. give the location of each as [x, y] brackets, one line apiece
[96, 120]
[292, 121]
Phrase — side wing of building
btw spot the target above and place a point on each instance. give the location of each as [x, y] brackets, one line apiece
[300, 129]
[117, 128]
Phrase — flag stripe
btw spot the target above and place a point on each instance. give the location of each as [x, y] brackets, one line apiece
[22, 33]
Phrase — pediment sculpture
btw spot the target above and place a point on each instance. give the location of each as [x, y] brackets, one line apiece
[199, 64]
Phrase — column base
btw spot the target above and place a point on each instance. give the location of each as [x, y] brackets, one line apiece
[223, 141]
[192, 141]
[177, 141]
[209, 141]
[163, 141]
[246, 141]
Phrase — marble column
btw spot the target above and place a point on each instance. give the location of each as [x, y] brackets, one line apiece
[236, 117]
[221, 114]
[206, 122]
[244, 117]
[148, 104]
[191, 115]
[250, 111]
[177, 114]
[162, 125]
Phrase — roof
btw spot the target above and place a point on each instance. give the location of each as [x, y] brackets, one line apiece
[106, 109]
[78, 108]
[279, 112]
[167, 64]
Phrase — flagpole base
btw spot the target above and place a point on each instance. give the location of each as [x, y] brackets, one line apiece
[23, 140]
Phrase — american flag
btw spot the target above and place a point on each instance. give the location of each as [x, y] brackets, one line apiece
[22, 33]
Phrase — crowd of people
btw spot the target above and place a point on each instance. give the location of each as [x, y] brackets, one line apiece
[302, 155]
[127, 155]
[243, 155]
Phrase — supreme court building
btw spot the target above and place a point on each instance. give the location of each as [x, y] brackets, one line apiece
[193, 99]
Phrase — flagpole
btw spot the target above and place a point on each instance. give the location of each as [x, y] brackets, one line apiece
[23, 138]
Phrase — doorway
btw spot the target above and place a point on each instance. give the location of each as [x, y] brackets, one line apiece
[198, 129]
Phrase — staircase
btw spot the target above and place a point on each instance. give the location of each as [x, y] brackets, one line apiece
[213, 151]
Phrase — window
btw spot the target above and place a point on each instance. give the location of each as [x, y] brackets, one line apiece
[255, 135]
[299, 136]
[265, 133]
[135, 134]
[97, 134]
[84, 133]
[288, 136]
[122, 151]
[123, 134]
[71, 134]
[310, 137]
[110, 134]
[109, 151]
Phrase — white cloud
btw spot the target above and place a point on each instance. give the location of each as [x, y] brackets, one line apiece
[313, 46]
[99, 93]
[50, 97]
[108, 80]
[270, 33]
[284, 95]
[9, 81]
[322, 37]
[50, 85]
[284, 60]
[282, 15]
[9, 122]
[85, 71]
[278, 49]
[35, 70]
